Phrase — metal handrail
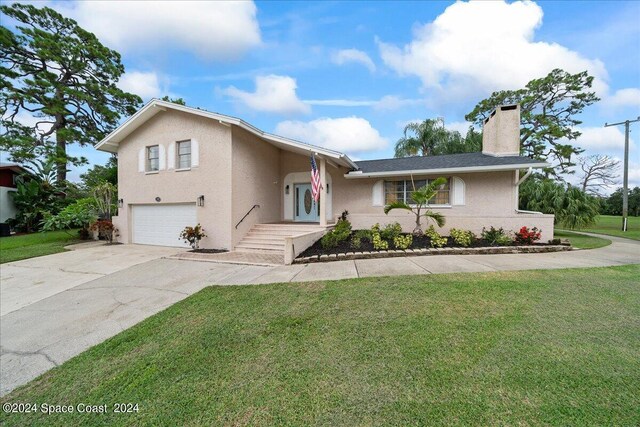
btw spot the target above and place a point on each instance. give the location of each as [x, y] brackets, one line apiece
[247, 214]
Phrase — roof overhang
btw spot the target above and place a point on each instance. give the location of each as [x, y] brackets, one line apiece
[112, 141]
[466, 169]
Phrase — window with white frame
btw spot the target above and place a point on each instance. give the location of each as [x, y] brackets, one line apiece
[400, 191]
[153, 158]
[183, 155]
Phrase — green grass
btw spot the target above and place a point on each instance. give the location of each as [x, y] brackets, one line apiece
[557, 347]
[581, 241]
[15, 248]
[612, 225]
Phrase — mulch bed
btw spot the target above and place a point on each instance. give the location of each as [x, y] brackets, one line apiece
[208, 251]
[418, 243]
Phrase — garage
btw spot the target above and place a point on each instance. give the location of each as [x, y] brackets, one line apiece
[161, 224]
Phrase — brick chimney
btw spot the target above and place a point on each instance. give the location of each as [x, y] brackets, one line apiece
[501, 132]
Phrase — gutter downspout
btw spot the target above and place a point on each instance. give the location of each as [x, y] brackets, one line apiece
[524, 178]
[518, 182]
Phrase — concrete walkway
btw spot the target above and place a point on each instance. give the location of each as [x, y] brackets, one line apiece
[620, 252]
[62, 304]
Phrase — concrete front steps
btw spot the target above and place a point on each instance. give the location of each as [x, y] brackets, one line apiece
[269, 238]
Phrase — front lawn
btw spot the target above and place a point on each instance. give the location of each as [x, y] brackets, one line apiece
[15, 248]
[612, 225]
[581, 241]
[557, 347]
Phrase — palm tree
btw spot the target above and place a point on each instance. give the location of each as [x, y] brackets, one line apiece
[421, 197]
[421, 139]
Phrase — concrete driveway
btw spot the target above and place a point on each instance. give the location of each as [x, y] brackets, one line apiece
[55, 307]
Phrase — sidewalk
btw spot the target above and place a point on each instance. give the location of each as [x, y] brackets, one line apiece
[620, 252]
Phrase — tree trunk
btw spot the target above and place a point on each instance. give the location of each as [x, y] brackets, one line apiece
[61, 160]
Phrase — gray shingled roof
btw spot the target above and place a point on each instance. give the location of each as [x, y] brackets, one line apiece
[447, 161]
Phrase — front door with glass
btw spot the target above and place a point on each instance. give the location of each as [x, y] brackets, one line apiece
[305, 208]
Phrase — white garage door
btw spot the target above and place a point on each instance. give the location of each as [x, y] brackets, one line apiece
[161, 224]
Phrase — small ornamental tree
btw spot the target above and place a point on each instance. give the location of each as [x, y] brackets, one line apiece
[420, 209]
[193, 235]
[105, 229]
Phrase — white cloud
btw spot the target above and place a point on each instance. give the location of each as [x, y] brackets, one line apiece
[391, 102]
[273, 94]
[484, 46]
[388, 102]
[629, 97]
[461, 127]
[144, 84]
[346, 134]
[216, 30]
[340, 102]
[345, 56]
[602, 139]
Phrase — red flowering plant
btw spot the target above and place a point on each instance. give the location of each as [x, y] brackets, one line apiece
[527, 236]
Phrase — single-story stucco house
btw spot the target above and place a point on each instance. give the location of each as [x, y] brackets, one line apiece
[250, 190]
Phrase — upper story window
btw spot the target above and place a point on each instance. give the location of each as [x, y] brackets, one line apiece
[401, 191]
[183, 158]
[153, 158]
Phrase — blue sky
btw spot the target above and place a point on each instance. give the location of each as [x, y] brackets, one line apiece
[350, 75]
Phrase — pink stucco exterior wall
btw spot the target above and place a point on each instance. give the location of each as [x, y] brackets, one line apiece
[211, 178]
[255, 180]
[236, 170]
[490, 200]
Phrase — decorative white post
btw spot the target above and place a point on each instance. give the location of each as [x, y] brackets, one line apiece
[323, 192]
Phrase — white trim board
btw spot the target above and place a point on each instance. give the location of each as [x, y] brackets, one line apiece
[467, 169]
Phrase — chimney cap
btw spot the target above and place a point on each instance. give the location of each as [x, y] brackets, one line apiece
[505, 107]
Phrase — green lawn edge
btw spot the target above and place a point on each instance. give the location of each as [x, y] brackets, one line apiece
[582, 241]
[16, 248]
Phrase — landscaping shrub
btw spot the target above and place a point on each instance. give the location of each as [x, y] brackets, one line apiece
[378, 243]
[193, 235]
[376, 238]
[572, 207]
[363, 234]
[403, 242]
[527, 236]
[33, 200]
[339, 234]
[462, 237]
[437, 241]
[105, 229]
[496, 236]
[79, 214]
[391, 231]
[358, 236]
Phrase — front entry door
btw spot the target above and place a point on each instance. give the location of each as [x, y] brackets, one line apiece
[305, 208]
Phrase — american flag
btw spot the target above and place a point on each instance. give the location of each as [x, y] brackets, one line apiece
[316, 185]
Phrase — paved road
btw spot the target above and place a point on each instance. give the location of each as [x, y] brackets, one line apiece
[62, 304]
